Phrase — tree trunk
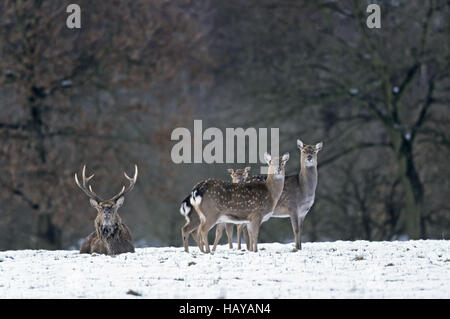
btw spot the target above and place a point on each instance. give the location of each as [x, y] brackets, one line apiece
[412, 187]
[47, 234]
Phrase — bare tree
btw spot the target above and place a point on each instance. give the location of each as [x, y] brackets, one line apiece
[83, 95]
[382, 92]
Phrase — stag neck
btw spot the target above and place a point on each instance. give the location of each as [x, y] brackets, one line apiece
[108, 230]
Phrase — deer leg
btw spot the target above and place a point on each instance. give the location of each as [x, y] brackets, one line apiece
[200, 240]
[295, 229]
[250, 236]
[196, 236]
[185, 237]
[239, 232]
[246, 236]
[185, 232]
[197, 240]
[187, 229]
[229, 229]
[219, 233]
[254, 231]
[300, 226]
[203, 231]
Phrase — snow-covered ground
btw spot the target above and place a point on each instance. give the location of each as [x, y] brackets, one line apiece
[359, 269]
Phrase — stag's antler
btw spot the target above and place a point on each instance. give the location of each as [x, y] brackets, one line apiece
[84, 187]
[130, 187]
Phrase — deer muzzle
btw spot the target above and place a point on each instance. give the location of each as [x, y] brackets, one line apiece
[107, 212]
[279, 173]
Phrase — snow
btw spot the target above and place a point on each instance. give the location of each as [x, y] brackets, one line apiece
[341, 269]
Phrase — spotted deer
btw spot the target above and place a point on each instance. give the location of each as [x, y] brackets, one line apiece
[251, 203]
[299, 190]
[111, 236]
[237, 176]
[193, 220]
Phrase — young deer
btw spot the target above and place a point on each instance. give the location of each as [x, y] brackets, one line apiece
[250, 203]
[237, 176]
[193, 220]
[299, 190]
[111, 236]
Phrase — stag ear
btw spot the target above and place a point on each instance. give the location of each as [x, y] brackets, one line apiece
[267, 157]
[94, 203]
[319, 146]
[247, 169]
[285, 157]
[299, 144]
[119, 201]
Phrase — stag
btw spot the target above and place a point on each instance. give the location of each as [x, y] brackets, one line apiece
[111, 235]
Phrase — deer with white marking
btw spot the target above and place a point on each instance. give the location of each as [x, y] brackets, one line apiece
[193, 220]
[249, 203]
[237, 176]
[299, 190]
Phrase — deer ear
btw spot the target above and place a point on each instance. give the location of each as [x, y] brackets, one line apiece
[119, 201]
[299, 144]
[267, 157]
[319, 146]
[93, 203]
[247, 169]
[285, 157]
[230, 171]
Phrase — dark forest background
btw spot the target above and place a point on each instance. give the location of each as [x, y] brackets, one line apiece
[109, 95]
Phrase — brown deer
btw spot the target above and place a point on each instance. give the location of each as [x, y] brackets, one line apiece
[237, 176]
[299, 190]
[193, 220]
[111, 236]
[252, 203]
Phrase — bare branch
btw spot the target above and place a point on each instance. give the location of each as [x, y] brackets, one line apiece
[351, 149]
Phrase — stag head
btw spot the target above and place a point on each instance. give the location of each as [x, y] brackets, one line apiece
[106, 209]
